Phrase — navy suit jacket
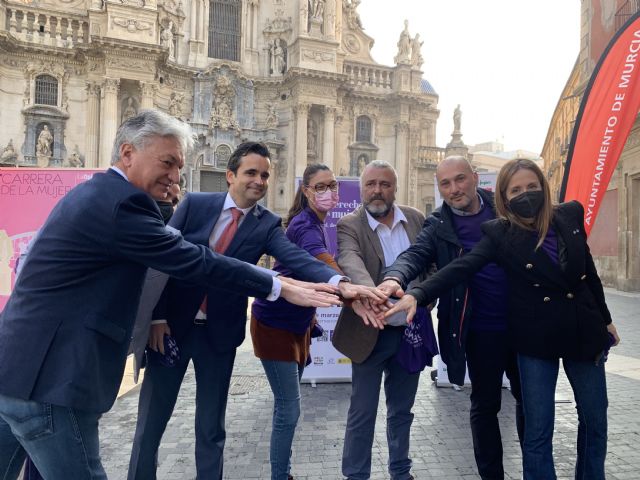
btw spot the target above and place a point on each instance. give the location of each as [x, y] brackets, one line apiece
[65, 330]
[259, 233]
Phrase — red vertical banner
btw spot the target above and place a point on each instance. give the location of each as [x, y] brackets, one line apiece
[608, 110]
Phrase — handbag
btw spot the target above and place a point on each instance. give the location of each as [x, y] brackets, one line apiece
[418, 345]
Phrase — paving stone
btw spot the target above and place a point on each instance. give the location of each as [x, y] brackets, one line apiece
[440, 440]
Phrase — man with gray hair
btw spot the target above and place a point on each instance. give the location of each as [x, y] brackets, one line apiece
[370, 239]
[472, 317]
[65, 330]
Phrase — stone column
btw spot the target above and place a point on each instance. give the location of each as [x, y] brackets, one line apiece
[329, 136]
[148, 90]
[93, 122]
[302, 115]
[402, 161]
[109, 120]
[193, 20]
[330, 19]
[304, 17]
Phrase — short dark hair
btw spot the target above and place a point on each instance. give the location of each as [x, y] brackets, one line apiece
[244, 149]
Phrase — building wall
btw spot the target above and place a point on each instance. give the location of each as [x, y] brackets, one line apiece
[615, 237]
[117, 57]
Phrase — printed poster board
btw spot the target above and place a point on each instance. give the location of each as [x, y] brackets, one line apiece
[27, 196]
[327, 364]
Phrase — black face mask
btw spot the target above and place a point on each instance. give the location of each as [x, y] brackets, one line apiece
[527, 204]
[166, 210]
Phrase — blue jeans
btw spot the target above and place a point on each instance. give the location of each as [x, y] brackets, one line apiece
[62, 442]
[400, 391]
[538, 378]
[284, 378]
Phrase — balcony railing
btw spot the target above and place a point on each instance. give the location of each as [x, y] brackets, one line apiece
[56, 30]
[430, 156]
[625, 12]
[369, 76]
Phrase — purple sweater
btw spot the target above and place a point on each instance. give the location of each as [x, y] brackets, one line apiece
[307, 231]
[489, 287]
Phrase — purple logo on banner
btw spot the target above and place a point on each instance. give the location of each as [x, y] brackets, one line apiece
[349, 200]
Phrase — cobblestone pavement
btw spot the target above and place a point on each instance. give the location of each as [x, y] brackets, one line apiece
[440, 438]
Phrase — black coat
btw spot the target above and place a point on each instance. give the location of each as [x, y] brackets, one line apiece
[438, 243]
[555, 310]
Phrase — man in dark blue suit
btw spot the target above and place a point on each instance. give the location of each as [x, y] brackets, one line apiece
[65, 330]
[209, 336]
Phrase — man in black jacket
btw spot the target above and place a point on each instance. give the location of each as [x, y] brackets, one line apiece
[472, 317]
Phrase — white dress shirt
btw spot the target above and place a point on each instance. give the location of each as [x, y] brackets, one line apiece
[394, 241]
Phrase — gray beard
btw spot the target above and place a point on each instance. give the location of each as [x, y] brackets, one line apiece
[377, 212]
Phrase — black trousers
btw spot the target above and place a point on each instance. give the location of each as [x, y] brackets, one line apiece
[488, 358]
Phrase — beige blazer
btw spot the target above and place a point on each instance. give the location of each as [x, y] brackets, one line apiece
[361, 258]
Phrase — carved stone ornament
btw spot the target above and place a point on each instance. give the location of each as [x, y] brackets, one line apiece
[222, 110]
[132, 25]
[272, 117]
[128, 63]
[351, 43]
[351, 14]
[75, 160]
[175, 7]
[316, 56]
[9, 156]
[278, 25]
[176, 104]
[133, 3]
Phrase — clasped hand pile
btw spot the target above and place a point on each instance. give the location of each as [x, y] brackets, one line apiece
[372, 304]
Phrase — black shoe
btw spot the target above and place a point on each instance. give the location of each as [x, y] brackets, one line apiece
[290, 478]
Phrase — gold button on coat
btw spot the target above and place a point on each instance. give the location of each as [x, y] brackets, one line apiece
[529, 266]
[546, 299]
[569, 296]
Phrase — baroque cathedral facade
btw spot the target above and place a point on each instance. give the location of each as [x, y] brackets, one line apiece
[296, 74]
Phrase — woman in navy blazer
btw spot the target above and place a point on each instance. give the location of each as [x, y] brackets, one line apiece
[557, 310]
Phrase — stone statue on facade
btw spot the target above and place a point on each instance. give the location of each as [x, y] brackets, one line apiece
[352, 16]
[278, 61]
[129, 111]
[9, 155]
[75, 160]
[166, 39]
[272, 117]
[362, 163]
[457, 118]
[311, 135]
[45, 142]
[404, 46]
[175, 104]
[316, 9]
[416, 56]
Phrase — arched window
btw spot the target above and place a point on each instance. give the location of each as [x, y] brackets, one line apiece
[225, 29]
[363, 129]
[46, 90]
[223, 152]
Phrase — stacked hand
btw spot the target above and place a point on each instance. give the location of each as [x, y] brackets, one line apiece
[308, 294]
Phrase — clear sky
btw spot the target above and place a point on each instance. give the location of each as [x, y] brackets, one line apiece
[504, 61]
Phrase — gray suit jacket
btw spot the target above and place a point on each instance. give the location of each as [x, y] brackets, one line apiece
[360, 256]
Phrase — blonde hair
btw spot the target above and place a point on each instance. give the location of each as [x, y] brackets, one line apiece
[542, 221]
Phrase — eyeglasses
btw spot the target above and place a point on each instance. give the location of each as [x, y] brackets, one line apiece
[321, 187]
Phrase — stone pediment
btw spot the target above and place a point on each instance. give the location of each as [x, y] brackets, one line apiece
[357, 46]
[224, 69]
